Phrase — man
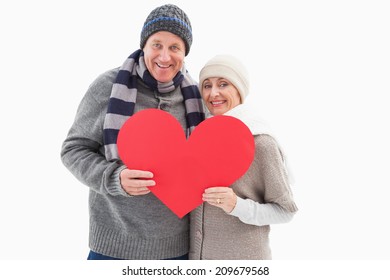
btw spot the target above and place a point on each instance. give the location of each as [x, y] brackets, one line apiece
[126, 220]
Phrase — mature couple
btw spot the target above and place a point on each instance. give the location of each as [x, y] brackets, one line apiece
[129, 222]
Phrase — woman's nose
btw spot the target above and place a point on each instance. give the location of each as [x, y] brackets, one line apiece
[214, 91]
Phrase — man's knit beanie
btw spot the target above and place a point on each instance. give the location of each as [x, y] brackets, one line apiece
[168, 18]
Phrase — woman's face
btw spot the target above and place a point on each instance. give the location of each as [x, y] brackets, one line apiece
[164, 54]
[219, 95]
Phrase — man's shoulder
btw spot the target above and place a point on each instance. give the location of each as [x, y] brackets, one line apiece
[108, 76]
[100, 88]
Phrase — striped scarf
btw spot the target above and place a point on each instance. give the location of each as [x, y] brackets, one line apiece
[124, 94]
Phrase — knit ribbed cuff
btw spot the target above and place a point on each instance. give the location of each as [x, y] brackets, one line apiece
[114, 186]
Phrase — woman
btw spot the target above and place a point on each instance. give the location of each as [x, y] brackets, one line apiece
[234, 222]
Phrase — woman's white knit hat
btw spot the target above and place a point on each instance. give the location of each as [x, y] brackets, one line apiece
[230, 68]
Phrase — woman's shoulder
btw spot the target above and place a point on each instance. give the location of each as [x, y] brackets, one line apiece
[267, 145]
[265, 140]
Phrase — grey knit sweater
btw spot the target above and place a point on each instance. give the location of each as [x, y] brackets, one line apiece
[125, 227]
[216, 235]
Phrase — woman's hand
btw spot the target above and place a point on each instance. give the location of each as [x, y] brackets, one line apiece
[136, 182]
[221, 197]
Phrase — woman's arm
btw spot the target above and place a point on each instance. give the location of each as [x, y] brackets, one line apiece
[260, 214]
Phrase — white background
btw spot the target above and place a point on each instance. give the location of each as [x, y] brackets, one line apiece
[320, 78]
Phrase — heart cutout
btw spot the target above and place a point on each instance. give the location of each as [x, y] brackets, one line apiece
[217, 153]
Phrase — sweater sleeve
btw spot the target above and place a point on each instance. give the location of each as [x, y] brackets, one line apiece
[83, 150]
[273, 172]
[254, 213]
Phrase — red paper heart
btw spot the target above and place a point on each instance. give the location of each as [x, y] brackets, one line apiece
[218, 152]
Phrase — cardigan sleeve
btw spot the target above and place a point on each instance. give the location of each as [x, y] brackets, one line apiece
[272, 173]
